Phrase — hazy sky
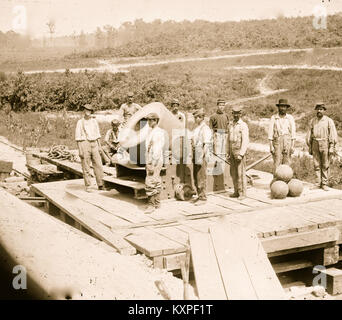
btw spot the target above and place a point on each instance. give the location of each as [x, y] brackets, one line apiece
[86, 15]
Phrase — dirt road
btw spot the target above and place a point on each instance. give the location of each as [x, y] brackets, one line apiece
[114, 67]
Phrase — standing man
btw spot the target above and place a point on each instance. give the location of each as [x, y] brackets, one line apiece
[282, 135]
[87, 136]
[238, 139]
[129, 108]
[219, 124]
[154, 162]
[321, 139]
[112, 138]
[202, 148]
[175, 110]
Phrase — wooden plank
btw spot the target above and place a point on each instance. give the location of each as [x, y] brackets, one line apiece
[73, 207]
[292, 265]
[317, 215]
[153, 244]
[173, 261]
[73, 167]
[233, 271]
[207, 274]
[124, 181]
[174, 234]
[245, 269]
[55, 193]
[298, 240]
[305, 224]
[113, 205]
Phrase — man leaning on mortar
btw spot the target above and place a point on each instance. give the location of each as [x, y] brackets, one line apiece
[321, 139]
[238, 140]
[282, 135]
[87, 136]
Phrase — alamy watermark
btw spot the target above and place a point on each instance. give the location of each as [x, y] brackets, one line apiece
[20, 280]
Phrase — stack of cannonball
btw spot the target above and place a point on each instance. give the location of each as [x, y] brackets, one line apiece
[283, 185]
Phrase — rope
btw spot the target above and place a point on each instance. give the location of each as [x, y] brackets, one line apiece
[61, 152]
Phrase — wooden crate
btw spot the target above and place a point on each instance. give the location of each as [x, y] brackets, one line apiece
[334, 280]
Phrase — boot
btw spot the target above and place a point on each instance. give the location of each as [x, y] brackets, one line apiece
[234, 195]
[150, 205]
[325, 188]
[242, 196]
[156, 201]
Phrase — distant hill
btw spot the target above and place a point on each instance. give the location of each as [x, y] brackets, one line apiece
[164, 38]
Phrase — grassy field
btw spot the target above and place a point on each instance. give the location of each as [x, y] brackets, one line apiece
[41, 59]
[41, 129]
[195, 84]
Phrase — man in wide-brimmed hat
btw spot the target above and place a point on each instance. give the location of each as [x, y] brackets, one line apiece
[87, 136]
[282, 135]
[238, 139]
[129, 108]
[321, 139]
[154, 158]
[202, 148]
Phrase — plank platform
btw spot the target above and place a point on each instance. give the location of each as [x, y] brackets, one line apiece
[71, 167]
[312, 221]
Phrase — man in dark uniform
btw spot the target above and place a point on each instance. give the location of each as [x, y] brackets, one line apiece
[219, 125]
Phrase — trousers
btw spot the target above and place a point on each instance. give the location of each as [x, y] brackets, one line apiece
[238, 174]
[91, 155]
[153, 180]
[281, 153]
[320, 153]
[200, 179]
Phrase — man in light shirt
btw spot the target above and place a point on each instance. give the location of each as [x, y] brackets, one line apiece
[321, 139]
[129, 108]
[154, 157]
[202, 149]
[87, 136]
[238, 139]
[282, 135]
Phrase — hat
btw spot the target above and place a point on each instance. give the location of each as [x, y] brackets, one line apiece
[174, 101]
[220, 101]
[199, 113]
[116, 122]
[237, 108]
[130, 94]
[88, 107]
[320, 104]
[152, 116]
[282, 102]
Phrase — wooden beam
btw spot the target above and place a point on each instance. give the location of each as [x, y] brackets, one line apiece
[299, 240]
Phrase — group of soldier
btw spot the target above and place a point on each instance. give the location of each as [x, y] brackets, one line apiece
[223, 138]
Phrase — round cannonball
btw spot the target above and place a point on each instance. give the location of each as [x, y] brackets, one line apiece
[279, 190]
[273, 180]
[284, 173]
[295, 188]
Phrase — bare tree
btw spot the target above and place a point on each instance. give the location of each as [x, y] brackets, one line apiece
[52, 28]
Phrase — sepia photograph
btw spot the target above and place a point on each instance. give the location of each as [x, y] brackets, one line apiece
[155, 150]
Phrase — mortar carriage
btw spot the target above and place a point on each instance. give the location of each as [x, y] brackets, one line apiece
[177, 179]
